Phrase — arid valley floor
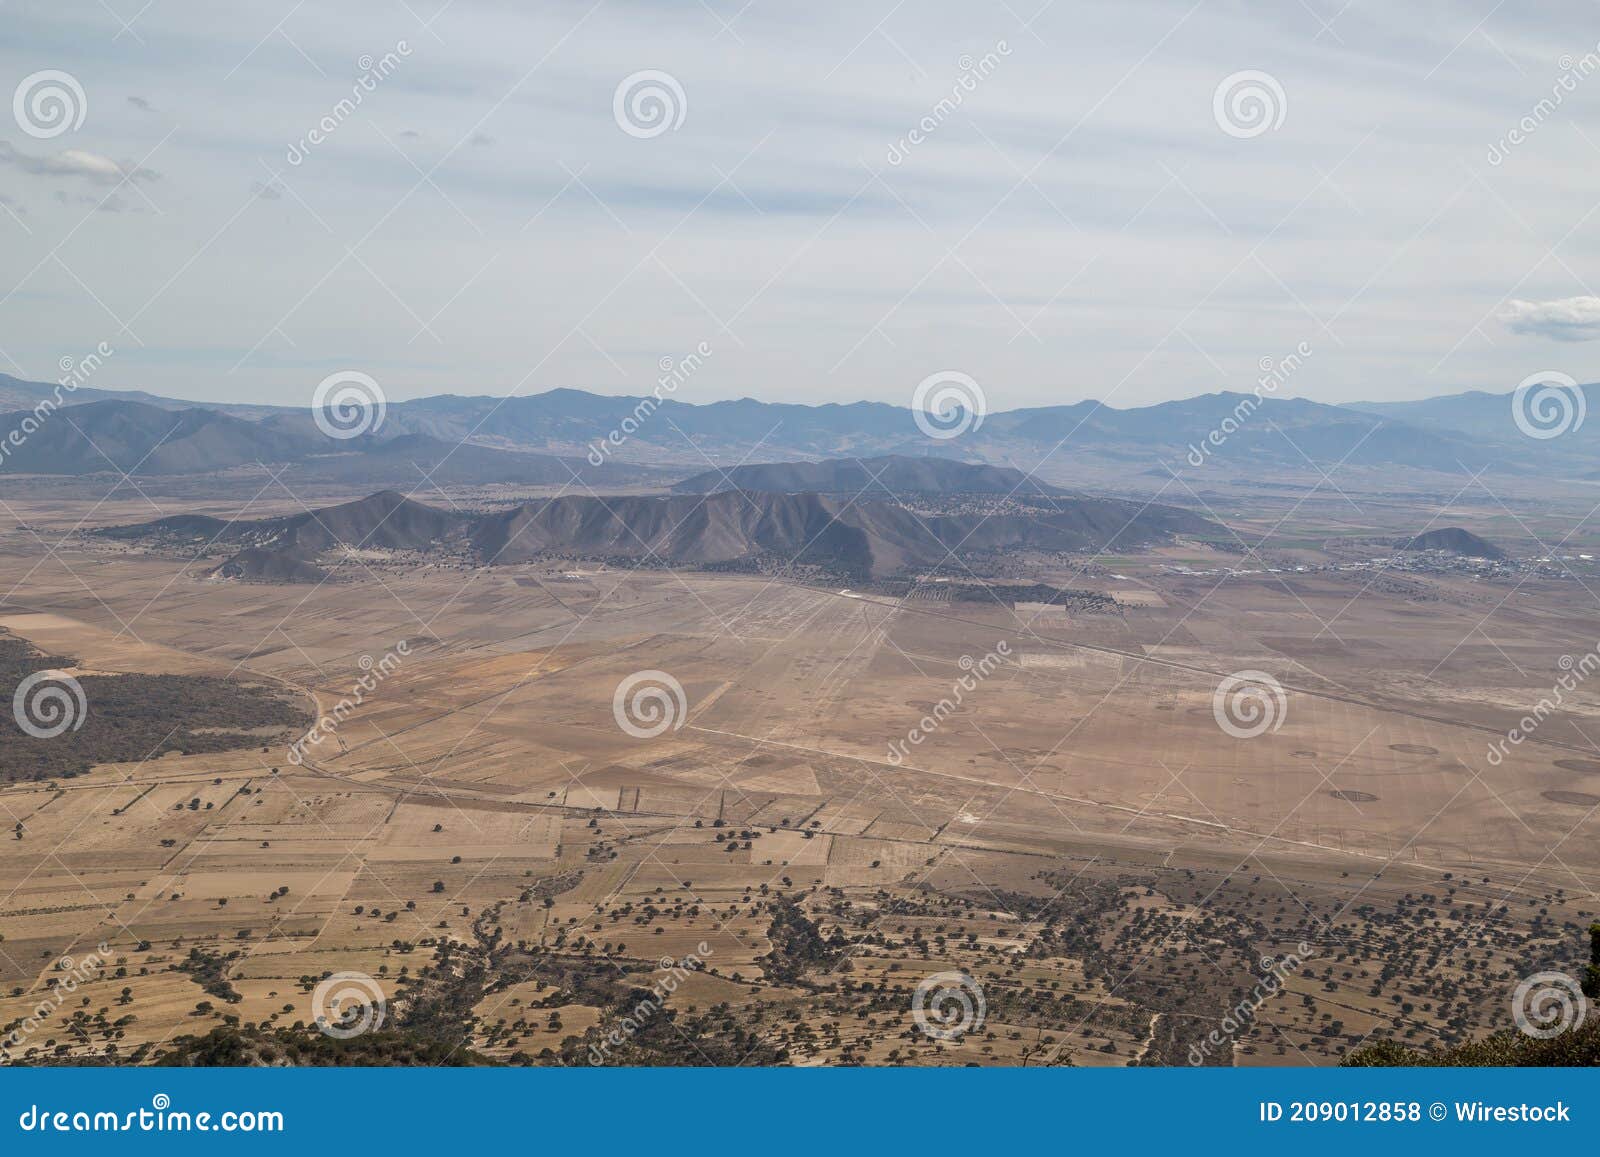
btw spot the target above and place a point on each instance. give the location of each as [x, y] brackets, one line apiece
[1112, 870]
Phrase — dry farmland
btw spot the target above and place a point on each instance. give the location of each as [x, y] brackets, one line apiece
[859, 790]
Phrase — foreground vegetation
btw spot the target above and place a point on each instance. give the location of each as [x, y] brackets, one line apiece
[234, 1047]
[1579, 1048]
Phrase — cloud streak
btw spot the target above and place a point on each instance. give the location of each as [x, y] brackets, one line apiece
[75, 164]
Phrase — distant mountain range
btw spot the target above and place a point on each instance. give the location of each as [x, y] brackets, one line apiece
[1571, 429]
[119, 435]
[19, 394]
[1238, 431]
[737, 529]
[890, 476]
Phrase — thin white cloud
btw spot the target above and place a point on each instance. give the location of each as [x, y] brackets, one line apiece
[1566, 319]
[74, 163]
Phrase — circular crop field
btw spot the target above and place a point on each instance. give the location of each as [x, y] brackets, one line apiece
[1583, 766]
[1577, 798]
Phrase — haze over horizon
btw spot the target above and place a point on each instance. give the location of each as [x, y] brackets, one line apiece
[1080, 225]
[644, 389]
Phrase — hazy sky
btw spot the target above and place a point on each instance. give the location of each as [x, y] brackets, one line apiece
[1079, 224]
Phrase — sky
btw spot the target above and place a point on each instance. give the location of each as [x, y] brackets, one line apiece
[1061, 200]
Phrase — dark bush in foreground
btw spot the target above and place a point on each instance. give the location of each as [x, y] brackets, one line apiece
[1579, 1048]
[227, 1046]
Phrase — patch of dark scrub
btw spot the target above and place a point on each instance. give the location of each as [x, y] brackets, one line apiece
[128, 718]
[641, 1028]
[234, 1047]
[439, 1006]
[210, 972]
[797, 946]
